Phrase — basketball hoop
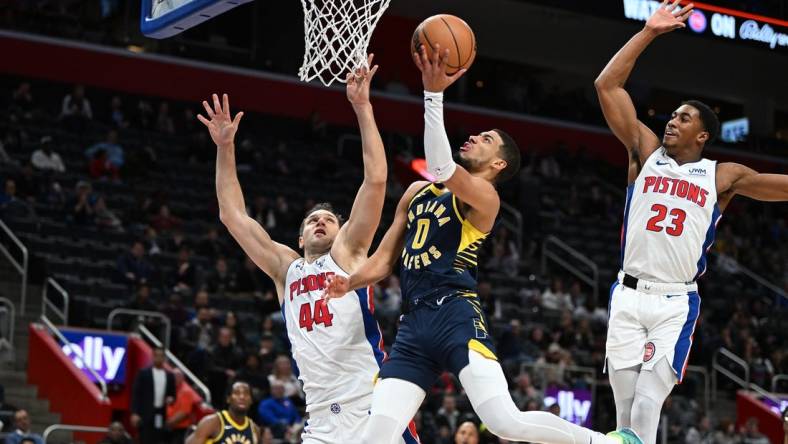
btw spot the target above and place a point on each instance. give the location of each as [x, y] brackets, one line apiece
[336, 37]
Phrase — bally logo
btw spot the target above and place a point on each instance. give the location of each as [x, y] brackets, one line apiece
[697, 171]
[105, 355]
[573, 410]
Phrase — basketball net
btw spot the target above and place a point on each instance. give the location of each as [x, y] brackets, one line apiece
[336, 37]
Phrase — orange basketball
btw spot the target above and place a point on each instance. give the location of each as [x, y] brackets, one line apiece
[449, 32]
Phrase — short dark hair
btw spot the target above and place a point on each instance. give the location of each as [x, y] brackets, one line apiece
[229, 389]
[711, 123]
[321, 206]
[510, 152]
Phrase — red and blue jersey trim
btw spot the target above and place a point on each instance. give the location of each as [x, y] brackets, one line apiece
[684, 343]
[371, 328]
[630, 192]
[710, 233]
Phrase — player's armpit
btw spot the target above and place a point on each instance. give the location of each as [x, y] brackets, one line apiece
[209, 427]
[272, 257]
[734, 178]
[477, 193]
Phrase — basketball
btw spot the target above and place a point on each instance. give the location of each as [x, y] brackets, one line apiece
[450, 32]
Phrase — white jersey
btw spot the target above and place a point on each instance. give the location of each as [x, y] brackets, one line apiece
[670, 219]
[337, 346]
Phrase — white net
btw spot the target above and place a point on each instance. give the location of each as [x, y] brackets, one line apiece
[336, 36]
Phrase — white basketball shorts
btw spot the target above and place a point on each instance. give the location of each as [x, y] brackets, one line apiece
[652, 321]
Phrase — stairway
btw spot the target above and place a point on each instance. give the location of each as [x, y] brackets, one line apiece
[13, 374]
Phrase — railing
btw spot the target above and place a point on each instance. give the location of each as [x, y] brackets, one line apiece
[177, 362]
[770, 396]
[144, 314]
[591, 279]
[718, 368]
[54, 330]
[706, 384]
[6, 306]
[45, 302]
[514, 226]
[776, 380]
[756, 277]
[72, 428]
[21, 268]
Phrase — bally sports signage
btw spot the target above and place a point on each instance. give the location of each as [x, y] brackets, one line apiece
[575, 404]
[105, 353]
[722, 23]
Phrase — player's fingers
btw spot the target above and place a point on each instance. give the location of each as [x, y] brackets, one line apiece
[417, 61]
[425, 60]
[664, 4]
[685, 9]
[457, 74]
[372, 72]
[226, 104]
[684, 16]
[217, 107]
[202, 119]
[207, 108]
[436, 54]
[672, 7]
[444, 60]
[237, 119]
[370, 57]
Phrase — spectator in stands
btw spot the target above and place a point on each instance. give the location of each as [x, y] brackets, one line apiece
[117, 117]
[211, 246]
[76, 111]
[536, 344]
[10, 204]
[225, 358]
[751, 434]
[278, 412]
[252, 373]
[133, 267]
[283, 373]
[267, 353]
[28, 186]
[467, 433]
[448, 413]
[701, 433]
[142, 300]
[106, 218]
[525, 391]
[45, 159]
[555, 409]
[151, 241]
[6, 412]
[117, 435]
[231, 322]
[185, 271]
[176, 241]
[555, 298]
[250, 279]
[389, 300]
[115, 154]
[164, 221]
[153, 390]
[5, 158]
[82, 212]
[510, 347]
[220, 279]
[490, 305]
[164, 122]
[181, 413]
[261, 211]
[22, 430]
[22, 106]
[100, 167]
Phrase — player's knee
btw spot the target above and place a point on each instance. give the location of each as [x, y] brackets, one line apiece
[643, 410]
[380, 430]
[497, 417]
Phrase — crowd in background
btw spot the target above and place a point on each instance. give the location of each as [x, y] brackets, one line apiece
[189, 275]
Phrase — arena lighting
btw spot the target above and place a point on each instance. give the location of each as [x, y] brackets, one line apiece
[720, 22]
[420, 166]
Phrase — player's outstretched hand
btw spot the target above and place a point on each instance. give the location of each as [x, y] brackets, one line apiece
[337, 287]
[219, 122]
[358, 83]
[433, 69]
[669, 16]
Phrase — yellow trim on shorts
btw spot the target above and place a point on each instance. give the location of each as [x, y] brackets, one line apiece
[481, 349]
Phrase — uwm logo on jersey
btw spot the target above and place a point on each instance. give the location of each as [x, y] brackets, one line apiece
[676, 187]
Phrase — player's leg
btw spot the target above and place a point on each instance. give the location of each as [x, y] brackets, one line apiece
[626, 337]
[653, 387]
[394, 403]
[487, 389]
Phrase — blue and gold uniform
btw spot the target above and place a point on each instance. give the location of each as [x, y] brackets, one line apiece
[234, 433]
[443, 317]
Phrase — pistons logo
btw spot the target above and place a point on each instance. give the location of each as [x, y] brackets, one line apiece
[335, 408]
[649, 353]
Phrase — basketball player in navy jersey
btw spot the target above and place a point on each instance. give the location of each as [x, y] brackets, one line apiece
[230, 426]
[437, 232]
[675, 199]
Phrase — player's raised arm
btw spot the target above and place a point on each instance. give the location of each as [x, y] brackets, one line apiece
[616, 103]
[734, 178]
[272, 257]
[476, 192]
[209, 427]
[355, 237]
[379, 265]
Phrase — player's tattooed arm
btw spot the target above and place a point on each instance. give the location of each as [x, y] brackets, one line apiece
[209, 427]
[379, 265]
[617, 106]
[356, 235]
[272, 257]
[734, 178]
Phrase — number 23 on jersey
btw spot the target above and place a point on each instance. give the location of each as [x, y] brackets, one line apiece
[308, 316]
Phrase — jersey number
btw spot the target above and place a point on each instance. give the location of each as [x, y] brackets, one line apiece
[321, 315]
[677, 222]
[422, 228]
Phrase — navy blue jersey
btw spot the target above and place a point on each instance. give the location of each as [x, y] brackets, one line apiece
[441, 247]
[233, 433]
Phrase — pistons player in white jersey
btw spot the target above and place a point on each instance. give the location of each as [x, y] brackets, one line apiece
[675, 199]
[337, 348]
